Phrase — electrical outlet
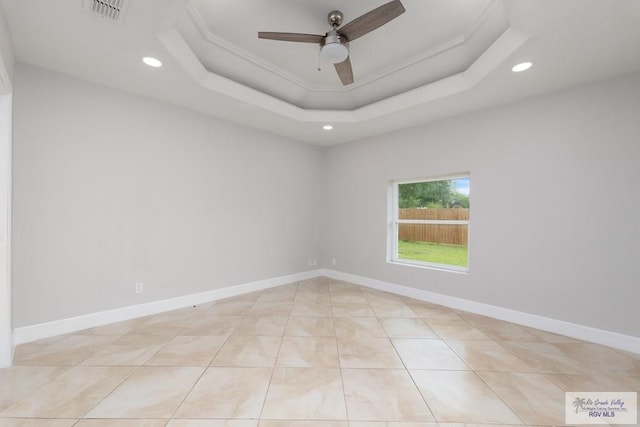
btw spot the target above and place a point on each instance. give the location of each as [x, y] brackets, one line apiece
[333, 261]
[315, 262]
[139, 287]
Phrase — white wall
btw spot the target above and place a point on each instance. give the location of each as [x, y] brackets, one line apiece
[7, 59]
[111, 189]
[6, 342]
[555, 199]
[6, 86]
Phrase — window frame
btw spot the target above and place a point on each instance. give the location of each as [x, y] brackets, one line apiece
[394, 222]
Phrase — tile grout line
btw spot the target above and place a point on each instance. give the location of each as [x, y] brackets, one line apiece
[411, 377]
[485, 383]
[205, 368]
[273, 368]
[137, 368]
[335, 333]
[134, 371]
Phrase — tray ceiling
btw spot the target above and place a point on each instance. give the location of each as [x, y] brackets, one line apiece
[439, 59]
[433, 40]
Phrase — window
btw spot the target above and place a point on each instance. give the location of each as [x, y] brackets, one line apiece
[430, 222]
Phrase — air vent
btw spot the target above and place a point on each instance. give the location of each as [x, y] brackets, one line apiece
[108, 9]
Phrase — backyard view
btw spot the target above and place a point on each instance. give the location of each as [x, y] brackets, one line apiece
[433, 222]
[433, 252]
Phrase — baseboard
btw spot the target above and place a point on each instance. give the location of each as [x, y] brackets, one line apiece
[73, 324]
[64, 326]
[6, 348]
[573, 330]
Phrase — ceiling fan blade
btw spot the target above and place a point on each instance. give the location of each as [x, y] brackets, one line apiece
[344, 71]
[292, 37]
[371, 20]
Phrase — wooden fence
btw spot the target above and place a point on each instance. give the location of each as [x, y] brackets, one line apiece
[453, 234]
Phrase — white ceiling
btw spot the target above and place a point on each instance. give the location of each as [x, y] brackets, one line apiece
[439, 38]
[439, 59]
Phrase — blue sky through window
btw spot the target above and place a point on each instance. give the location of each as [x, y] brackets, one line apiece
[461, 185]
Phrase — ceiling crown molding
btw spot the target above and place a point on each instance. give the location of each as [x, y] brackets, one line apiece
[498, 53]
[198, 22]
[491, 10]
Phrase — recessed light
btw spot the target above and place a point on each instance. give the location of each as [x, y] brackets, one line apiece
[327, 127]
[523, 66]
[152, 62]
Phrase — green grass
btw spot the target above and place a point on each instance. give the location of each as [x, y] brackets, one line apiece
[433, 252]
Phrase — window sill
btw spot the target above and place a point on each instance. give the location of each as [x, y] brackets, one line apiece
[437, 267]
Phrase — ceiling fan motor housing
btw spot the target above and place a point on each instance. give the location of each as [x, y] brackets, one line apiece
[333, 37]
[335, 18]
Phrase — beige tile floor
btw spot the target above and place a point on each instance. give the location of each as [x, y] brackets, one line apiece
[314, 353]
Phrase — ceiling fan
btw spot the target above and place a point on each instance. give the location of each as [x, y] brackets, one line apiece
[335, 43]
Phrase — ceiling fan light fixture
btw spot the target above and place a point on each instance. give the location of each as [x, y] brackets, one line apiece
[333, 50]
